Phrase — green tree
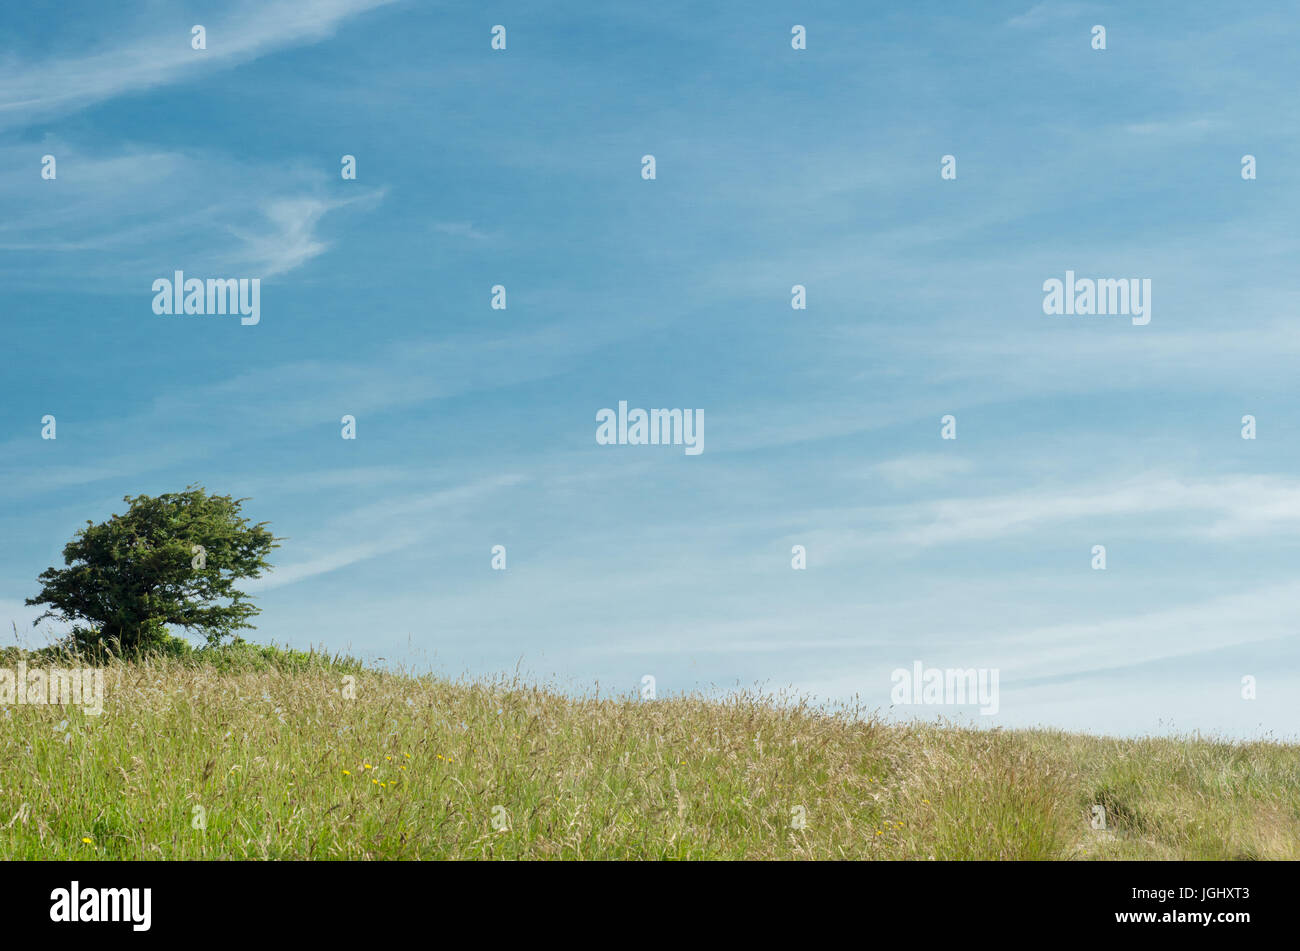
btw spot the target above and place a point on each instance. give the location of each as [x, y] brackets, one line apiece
[170, 560]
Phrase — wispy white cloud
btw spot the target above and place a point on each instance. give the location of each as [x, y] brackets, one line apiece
[380, 528]
[140, 213]
[923, 468]
[393, 377]
[1160, 634]
[292, 239]
[461, 229]
[1227, 507]
[1050, 11]
[125, 63]
[1171, 128]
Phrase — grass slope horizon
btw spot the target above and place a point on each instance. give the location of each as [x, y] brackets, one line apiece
[249, 752]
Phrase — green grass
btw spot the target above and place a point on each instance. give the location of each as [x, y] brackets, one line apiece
[283, 765]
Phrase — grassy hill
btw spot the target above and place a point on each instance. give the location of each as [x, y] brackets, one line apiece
[266, 749]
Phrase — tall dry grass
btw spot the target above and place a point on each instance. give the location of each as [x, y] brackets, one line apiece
[279, 764]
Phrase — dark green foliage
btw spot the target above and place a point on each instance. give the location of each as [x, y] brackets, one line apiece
[132, 576]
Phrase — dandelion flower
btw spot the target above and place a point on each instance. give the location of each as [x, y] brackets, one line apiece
[347, 772]
[86, 840]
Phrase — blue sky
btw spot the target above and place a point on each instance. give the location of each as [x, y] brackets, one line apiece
[775, 167]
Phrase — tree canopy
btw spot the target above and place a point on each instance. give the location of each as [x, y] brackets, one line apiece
[172, 559]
